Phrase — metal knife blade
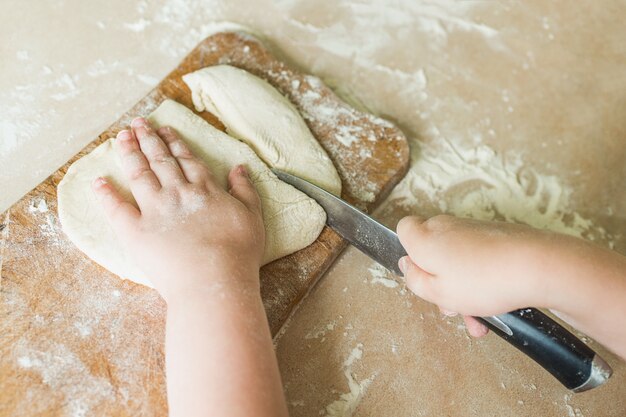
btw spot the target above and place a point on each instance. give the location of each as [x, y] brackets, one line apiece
[363, 232]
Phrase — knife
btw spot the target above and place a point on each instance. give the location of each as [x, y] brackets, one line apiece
[534, 333]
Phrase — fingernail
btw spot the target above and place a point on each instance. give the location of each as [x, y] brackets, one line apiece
[403, 264]
[138, 121]
[124, 135]
[241, 170]
[99, 182]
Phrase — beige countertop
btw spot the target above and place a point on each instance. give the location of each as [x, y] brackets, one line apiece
[515, 110]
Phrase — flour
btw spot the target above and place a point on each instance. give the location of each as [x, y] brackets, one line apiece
[330, 113]
[571, 410]
[23, 55]
[380, 275]
[349, 401]
[67, 84]
[435, 20]
[64, 373]
[138, 26]
[38, 205]
[148, 79]
[99, 68]
[321, 331]
[479, 183]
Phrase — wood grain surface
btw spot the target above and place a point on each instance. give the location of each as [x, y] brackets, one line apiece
[76, 339]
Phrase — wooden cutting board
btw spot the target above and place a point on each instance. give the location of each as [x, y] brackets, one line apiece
[77, 340]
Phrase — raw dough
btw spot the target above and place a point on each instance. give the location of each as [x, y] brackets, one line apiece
[255, 112]
[292, 220]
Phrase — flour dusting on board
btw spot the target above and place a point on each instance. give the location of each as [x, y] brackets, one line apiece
[82, 347]
[66, 375]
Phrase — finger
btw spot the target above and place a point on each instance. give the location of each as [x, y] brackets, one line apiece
[243, 190]
[142, 181]
[474, 327]
[411, 234]
[422, 240]
[194, 170]
[120, 213]
[420, 282]
[164, 165]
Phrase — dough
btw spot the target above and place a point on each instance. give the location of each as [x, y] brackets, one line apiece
[255, 112]
[292, 219]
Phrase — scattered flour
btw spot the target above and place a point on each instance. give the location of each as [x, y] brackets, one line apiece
[571, 411]
[148, 79]
[321, 331]
[477, 182]
[349, 401]
[138, 26]
[67, 84]
[22, 55]
[64, 373]
[38, 205]
[380, 275]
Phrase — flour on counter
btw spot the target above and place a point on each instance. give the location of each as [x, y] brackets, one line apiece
[435, 20]
[67, 84]
[138, 26]
[321, 331]
[380, 275]
[479, 183]
[571, 410]
[22, 55]
[349, 401]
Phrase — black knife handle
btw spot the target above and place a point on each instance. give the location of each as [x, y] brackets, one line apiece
[552, 346]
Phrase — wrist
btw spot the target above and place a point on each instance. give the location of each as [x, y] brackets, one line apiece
[565, 276]
[209, 281]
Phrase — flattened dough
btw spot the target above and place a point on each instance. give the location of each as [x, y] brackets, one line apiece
[255, 112]
[292, 220]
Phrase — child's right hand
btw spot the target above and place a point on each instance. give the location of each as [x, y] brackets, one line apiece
[468, 266]
[479, 268]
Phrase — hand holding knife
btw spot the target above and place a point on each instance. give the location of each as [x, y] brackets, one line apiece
[534, 333]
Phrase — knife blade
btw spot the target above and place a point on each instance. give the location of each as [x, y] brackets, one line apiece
[534, 333]
[363, 232]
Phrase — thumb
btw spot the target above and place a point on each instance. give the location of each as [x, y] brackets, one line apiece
[242, 189]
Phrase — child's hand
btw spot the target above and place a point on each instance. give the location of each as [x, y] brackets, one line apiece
[479, 268]
[472, 267]
[187, 233]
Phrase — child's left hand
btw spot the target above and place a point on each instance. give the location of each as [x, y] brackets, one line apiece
[187, 232]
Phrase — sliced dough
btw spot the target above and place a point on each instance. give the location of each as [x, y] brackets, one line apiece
[292, 220]
[255, 112]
